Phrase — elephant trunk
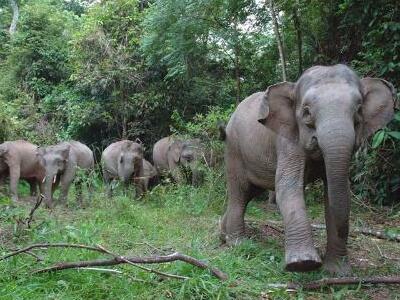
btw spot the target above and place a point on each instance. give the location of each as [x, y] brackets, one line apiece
[337, 143]
[48, 182]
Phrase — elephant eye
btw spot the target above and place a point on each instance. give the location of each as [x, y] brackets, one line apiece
[187, 157]
[308, 120]
[358, 116]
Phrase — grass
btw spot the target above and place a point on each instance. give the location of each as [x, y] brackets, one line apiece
[184, 219]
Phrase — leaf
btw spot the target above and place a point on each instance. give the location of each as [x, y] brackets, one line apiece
[397, 116]
[378, 139]
[394, 134]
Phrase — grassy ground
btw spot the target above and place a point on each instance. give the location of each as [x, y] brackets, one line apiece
[184, 219]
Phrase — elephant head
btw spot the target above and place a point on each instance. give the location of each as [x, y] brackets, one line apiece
[186, 155]
[328, 112]
[130, 161]
[54, 160]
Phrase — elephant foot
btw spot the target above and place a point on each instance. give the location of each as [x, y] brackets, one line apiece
[338, 266]
[232, 239]
[302, 260]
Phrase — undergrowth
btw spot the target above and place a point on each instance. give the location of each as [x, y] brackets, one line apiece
[174, 218]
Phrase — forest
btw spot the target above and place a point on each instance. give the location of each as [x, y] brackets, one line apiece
[101, 71]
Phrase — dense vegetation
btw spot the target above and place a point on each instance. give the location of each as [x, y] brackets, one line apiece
[136, 68]
[99, 71]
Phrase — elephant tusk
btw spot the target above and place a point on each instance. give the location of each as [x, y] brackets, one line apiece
[44, 179]
[54, 178]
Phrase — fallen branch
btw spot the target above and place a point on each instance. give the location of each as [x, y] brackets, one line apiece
[136, 260]
[314, 285]
[39, 200]
[117, 259]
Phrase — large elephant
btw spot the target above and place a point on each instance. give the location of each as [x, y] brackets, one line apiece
[18, 160]
[177, 157]
[61, 163]
[292, 134]
[123, 160]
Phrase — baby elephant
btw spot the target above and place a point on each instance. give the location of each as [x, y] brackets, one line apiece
[61, 162]
[123, 160]
[18, 160]
[149, 177]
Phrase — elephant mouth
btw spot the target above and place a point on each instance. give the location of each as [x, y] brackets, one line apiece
[54, 179]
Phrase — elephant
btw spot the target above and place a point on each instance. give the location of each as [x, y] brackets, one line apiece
[18, 160]
[61, 163]
[293, 134]
[149, 178]
[124, 160]
[176, 157]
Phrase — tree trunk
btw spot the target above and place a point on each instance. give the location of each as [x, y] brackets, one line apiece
[296, 21]
[237, 74]
[15, 10]
[278, 39]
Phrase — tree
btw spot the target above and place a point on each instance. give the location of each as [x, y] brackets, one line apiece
[15, 10]
[278, 39]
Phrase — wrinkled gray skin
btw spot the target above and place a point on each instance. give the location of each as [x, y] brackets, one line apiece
[18, 160]
[123, 160]
[148, 178]
[300, 132]
[61, 162]
[173, 156]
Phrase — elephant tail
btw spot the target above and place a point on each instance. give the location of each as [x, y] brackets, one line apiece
[222, 130]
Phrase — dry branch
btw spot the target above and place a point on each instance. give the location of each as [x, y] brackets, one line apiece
[136, 260]
[117, 259]
[314, 285]
[39, 201]
[45, 246]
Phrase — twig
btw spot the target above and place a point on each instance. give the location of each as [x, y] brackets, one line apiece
[58, 245]
[383, 255]
[314, 285]
[38, 258]
[115, 272]
[142, 267]
[37, 204]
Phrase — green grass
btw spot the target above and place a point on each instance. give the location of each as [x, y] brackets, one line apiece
[170, 218]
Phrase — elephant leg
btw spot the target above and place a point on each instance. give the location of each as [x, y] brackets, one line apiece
[90, 186]
[335, 260]
[300, 253]
[14, 179]
[140, 187]
[107, 182]
[240, 192]
[33, 187]
[272, 197]
[232, 224]
[78, 191]
[65, 182]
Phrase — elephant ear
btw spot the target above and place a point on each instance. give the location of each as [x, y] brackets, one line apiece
[378, 104]
[65, 152]
[277, 110]
[3, 151]
[175, 151]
